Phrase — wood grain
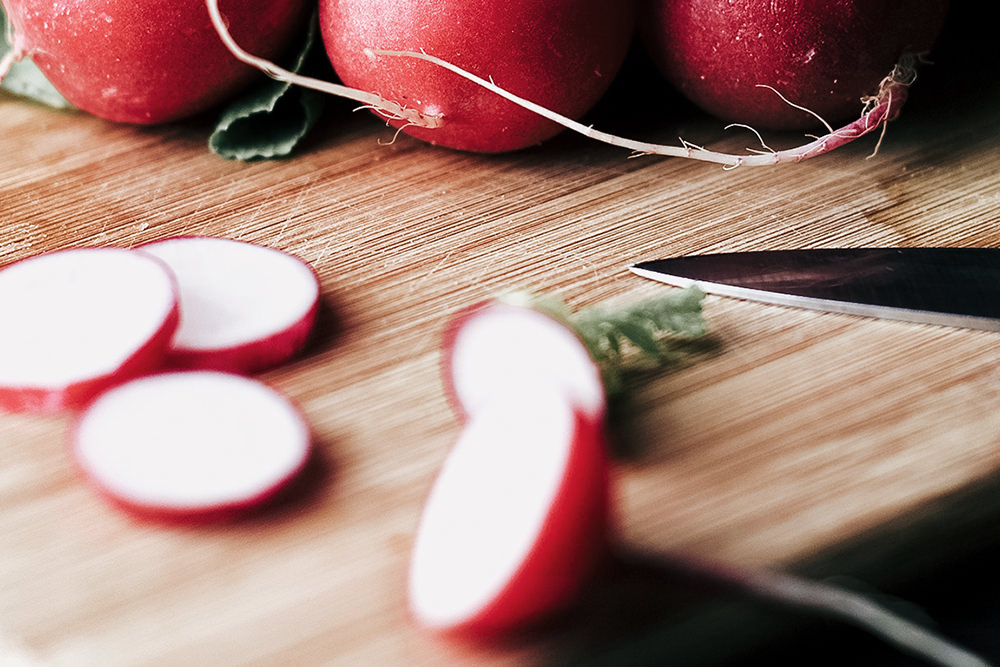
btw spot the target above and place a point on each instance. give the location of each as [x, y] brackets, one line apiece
[793, 439]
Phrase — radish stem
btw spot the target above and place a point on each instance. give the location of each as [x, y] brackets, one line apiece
[825, 599]
[391, 110]
[859, 610]
[878, 110]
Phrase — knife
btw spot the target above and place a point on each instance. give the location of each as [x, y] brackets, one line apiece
[948, 286]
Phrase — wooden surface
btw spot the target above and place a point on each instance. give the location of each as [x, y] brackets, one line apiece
[826, 443]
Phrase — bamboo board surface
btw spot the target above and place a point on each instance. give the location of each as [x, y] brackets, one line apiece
[794, 438]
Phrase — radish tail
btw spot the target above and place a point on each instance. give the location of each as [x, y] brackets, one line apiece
[829, 600]
[391, 110]
[859, 610]
[878, 110]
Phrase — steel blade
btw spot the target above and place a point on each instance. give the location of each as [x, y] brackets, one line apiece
[950, 286]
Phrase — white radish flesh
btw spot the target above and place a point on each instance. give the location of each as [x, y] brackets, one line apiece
[244, 307]
[191, 443]
[497, 348]
[73, 322]
[516, 520]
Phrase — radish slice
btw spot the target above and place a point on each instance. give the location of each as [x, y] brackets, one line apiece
[73, 322]
[244, 307]
[191, 443]
[496, 349]
[516, 520]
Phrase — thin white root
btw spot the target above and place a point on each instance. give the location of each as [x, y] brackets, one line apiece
[829, 128]
[878, 110]
[389, 109]
[861, 611]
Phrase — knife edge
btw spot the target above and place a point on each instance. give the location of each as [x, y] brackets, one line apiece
[820, 304]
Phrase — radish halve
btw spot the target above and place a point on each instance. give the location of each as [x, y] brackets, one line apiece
[497, 348]
[191, 443]
[74, 322]
[516, 521]
[244, 307]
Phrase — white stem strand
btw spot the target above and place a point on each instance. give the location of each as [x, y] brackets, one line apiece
[391, 110]
[861, 611]
[878, 112]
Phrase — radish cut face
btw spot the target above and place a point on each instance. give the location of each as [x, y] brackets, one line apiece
[244, 307]
[496, 349]
[73, 322]
[191, 442]
[516, 520]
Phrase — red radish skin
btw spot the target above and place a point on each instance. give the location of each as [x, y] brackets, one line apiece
[148, 61]
[244, 307]
[562, 54]
[824, 55]
[78, 321]
[191, 445]
[494, 348]
[515, 524]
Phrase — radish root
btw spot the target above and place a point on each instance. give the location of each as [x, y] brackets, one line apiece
[826, 599]
[877, 111]
[391, 110]
[857, 609]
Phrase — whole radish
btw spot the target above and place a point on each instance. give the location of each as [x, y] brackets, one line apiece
[146, 61]
[561, 54]
[733, 58]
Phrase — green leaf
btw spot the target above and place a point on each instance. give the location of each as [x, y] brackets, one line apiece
[24, 78]
[271, 121]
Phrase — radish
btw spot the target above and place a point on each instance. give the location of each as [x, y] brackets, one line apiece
[515, 523]
[519, 519]
[779, 65]
[73, 322]
[146, 61]
[494, 348]
[560, 53]
[191, 444]
[243, 307]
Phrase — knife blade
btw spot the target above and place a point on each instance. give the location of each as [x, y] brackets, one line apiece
[947, 286]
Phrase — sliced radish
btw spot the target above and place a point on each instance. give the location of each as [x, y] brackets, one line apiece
[516, 521]
[244, 307]
[191, 443]
[496, 349]
[73, 322]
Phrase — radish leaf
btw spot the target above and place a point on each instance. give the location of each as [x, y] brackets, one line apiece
[272, 120]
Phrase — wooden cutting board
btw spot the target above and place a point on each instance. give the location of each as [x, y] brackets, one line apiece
[828, 444]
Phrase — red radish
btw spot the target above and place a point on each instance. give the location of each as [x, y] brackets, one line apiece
[73, 322]
[191, 444]
[495, 349]
[515, 523]
[731, 58]
[146, 61]
[244, 307]
[562, 54]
